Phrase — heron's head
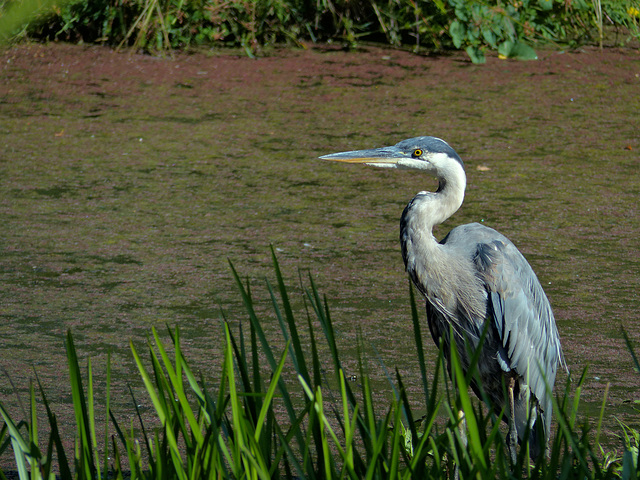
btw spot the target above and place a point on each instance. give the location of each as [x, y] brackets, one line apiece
[420, 153]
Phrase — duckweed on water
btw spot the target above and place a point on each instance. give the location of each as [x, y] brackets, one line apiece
[133, 238]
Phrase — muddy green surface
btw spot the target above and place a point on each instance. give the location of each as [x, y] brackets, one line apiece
[126, 182]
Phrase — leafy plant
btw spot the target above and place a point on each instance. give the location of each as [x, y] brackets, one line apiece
[510, 27]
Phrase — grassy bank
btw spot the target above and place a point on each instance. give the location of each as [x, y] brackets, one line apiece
[512, 28]
[269, 416]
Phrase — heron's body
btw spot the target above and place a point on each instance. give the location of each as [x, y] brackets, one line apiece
[473, 276]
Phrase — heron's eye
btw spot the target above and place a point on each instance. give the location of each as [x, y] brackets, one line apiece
[417, 152]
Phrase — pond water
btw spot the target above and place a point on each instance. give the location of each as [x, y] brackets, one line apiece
[127, 182]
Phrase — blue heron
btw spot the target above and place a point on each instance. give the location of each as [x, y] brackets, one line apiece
[473, 276]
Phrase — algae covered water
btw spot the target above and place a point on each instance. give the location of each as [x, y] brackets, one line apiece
[127, 183]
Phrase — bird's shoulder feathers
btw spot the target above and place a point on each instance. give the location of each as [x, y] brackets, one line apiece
[516, 301]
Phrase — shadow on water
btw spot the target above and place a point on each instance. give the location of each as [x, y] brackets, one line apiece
[127, 181]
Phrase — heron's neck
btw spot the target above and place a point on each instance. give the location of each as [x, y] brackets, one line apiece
[428, 209]
[432, 266]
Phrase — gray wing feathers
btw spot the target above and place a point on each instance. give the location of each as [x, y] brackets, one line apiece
[521, 313]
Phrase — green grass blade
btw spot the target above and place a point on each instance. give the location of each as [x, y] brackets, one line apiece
[35, 456]
[105, 458]
[255, 365]
[349, 426]
[195, 389]
[627, 341]
[166, 362]
[285, 439]
[248, 303]
[421, 450]
[315, 361]
[405, 408]
[324, 426]
[369, 420]
[4, 442]
[266, 405]
[601, 416]
[576, 398]
[301, 365]
[395, 440]
[565, 429]
[324, 317]
[63, 462]
[20, 446]
[161, 410]
[253, 403]
[117, 428]
[283, 326]
[85, 448]
[175, 377]
[475, 445]
[325, 322]
[92, 422]
[417, 336]
[145, 436]
[237, 415]
[376, 458]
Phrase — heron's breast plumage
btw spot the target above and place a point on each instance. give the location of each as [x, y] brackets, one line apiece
[446, 279]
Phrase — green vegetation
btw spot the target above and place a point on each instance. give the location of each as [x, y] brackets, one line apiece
[510, 27]
[275, 422]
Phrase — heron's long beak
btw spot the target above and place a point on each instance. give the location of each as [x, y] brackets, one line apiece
[377, 157]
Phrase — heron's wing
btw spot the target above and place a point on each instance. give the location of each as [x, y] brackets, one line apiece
[521, 313]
